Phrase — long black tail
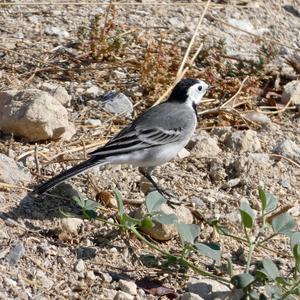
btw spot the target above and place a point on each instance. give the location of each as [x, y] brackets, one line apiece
[93, 161]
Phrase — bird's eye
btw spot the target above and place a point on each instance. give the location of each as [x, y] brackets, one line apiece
[200, 88]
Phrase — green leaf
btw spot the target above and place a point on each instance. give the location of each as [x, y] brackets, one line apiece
[268, 201]
[210, 250]
[90, 214]
[163, 218]
[68, 215]
[154, 200]
[242, 281]
[247, 214]
[274, 292]
[147, 223]
[121, 209]
[295, 246]
[271, 269]
[78, 200]
[283, 223]
[188, 232]
[130, 222]
[91, 204]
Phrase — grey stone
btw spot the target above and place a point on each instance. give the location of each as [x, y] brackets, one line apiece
[246, 25]
[106, 277]
[175, 22]
[79, 266]
[117, 103]
[190, 296]
[56, 31]
[42, 277]
[71, 225]
[291, 92]
[90, 275]
[120, 295]
[289, 149]
[34, 114]
[12, 172]
[232, 183]
[128, 287]
[243, 141]
[16, 253]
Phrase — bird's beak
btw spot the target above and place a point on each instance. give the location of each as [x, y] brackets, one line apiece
[210, 87]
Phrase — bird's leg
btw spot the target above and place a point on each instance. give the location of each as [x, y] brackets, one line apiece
[147, 173]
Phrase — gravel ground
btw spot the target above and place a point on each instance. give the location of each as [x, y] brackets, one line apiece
[228, 160]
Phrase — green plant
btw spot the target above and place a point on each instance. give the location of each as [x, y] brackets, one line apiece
[260, 281]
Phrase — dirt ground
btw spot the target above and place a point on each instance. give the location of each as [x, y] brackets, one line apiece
[142, 63]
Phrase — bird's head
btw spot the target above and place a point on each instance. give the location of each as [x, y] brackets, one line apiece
[189, 91]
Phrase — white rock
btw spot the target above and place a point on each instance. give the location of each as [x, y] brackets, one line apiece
[243, 141]
[175, 22]
[93, 122]
[257, 117]
[107, 293]
[291, 92]
[42, 277]
[123, 296]
[90, 275]
[56, 31]
[246, 25]
[106, 277]
[288, 149]
[58, 92]
[119, 75]
[12, 172]
[183, 153]
[190, 296]
[128, 287]
[94, 91]
[16, 253]
[34, 114]
[79, 266]
[71, 225]
[117, 103]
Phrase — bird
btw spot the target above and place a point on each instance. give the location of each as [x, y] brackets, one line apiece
[152, 139]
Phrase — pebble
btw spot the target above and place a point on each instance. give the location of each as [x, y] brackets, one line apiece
[93, 122]
[106, 277]
[117, 103]
[79, 266]
[58, 92]
[257, 117]
[175, 22]
[90, 275]
[13, 173]
[128, 287]
[71, 225]
[232, 183]
[183, 153]
[291, 91]
[93, 92]
[190, 296]
[289, 149]
[206, 146]
[16, 253]
[123, 296]
[56, 31]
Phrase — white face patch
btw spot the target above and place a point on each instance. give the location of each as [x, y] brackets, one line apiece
[196, 92]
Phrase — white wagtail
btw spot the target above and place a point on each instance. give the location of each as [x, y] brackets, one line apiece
[152, 139]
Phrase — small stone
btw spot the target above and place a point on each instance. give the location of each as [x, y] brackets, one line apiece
[79, 266]
[119, 75]
[128, 287]
[12, 172]
[123, 296]
[175, 22]
[243, 141]
[58, 92]
[199, 203]
[288, 149]
[232, 183]
[93, 122]
[16, 253]
[42, 277]
[246, 25]
[56, 31]
[113, 250]
[90, 275]
[183, 153]
[94, 91]
[257, 117]
[117, 103]
[108, 293]
[291, 92]
[71, 225]
[10, 282]
[3, 235]
[106, 277]
[190, 296]
[286, 183]
[208, 288]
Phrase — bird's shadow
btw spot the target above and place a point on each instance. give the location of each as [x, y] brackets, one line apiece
[48, 206]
